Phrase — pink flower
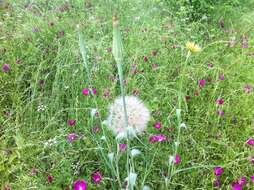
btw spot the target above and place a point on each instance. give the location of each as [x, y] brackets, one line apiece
[106, 93]
[122, 147]
[248, 89]
[222, 77]
[210, 65]
[50, 178]
[220, 113]
[250, 141]
[96, 129]
[154, 66]
[97, 177]
[145, 59]
[220, 101]
[218, 171]
[177, 159]
[109, 50]
[157, 138]
[86, 91]
[72, 137]
[202, 83]
[243, 181]
[157, 125]
[80, 185]
[252, 178]
[154, 53]
[236, 186]
[34, 171]
[217, 183]
[252, 160]
[72, 122]
[6, 68]
[95, 91]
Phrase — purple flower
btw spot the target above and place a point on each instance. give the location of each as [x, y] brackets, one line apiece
[96, 129]
[252, 160]
[72, 122]
[217, 183]
[97, 177]
[86, 91]
[6, 68]
[34, 171]
[157, 138]
[154, 53]
[252, 178]
[248, 89]
[122, 147]
[220, 101]
[106, 93]
[220, 113]
[177, 159]
[145, 59]
[250, 141]
[222, 77]
[245, 42]
[72, 137]
[95, 91]
[80, 185]
[154, 66]
[157, 125]
[60, 34]
[218, 171]
[202, 83]
[50, 178]
[236, 186]
[210, 65]
[243, 181]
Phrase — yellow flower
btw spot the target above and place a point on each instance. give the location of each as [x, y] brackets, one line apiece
[192, 47]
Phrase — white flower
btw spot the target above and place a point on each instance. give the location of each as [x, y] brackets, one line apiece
[135, 152]
[138, 117]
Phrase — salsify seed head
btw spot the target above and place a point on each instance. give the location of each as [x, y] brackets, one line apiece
[138, 116]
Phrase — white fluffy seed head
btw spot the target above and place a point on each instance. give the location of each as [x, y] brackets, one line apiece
[138, 116]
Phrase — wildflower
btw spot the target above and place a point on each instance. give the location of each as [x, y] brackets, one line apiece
[137, 116]
[80, 185]
[245, 42]
[202, 83]
[72, 122]
[220, 101]
[67, 188]
[122, 147]
[60, 34]
[154, 53]
[154, 66]
[252, 178]
[157, 125]
[192, 47]
[187, 98]
[7, 188]
[210, 65]
[236, 186]
[252, 160]
[222, 77]
[220, 113]
[6, 68]
[177, 159]
[145, 58]
[95, 91]
[250, 141]
[109, 50]
[243, 181]
[96, 129]
[248, 89]
[217, 183]
[50, 178]
[218, 171]
[157, 138]
[34, 171]
[97, 177]
[72, 137]
[86, 91]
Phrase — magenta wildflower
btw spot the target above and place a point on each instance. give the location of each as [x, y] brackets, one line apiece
[218, 171]
[6, 68]
[220, 101]
[248, 89]
[236, 186]
[71, 122]
[177, 159]
[202, 83]
[97, 177]
[122, 147]
[86, 91]
[220, 113]
[80, 185]
[250, 141]
[243, 181]
[217, 183]
[222, 77]
[252, 178]
[50, 178]
[157, 138]
[145, 58]
[95, 91]
[106, 93]
[72, 137]
[157, 125]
